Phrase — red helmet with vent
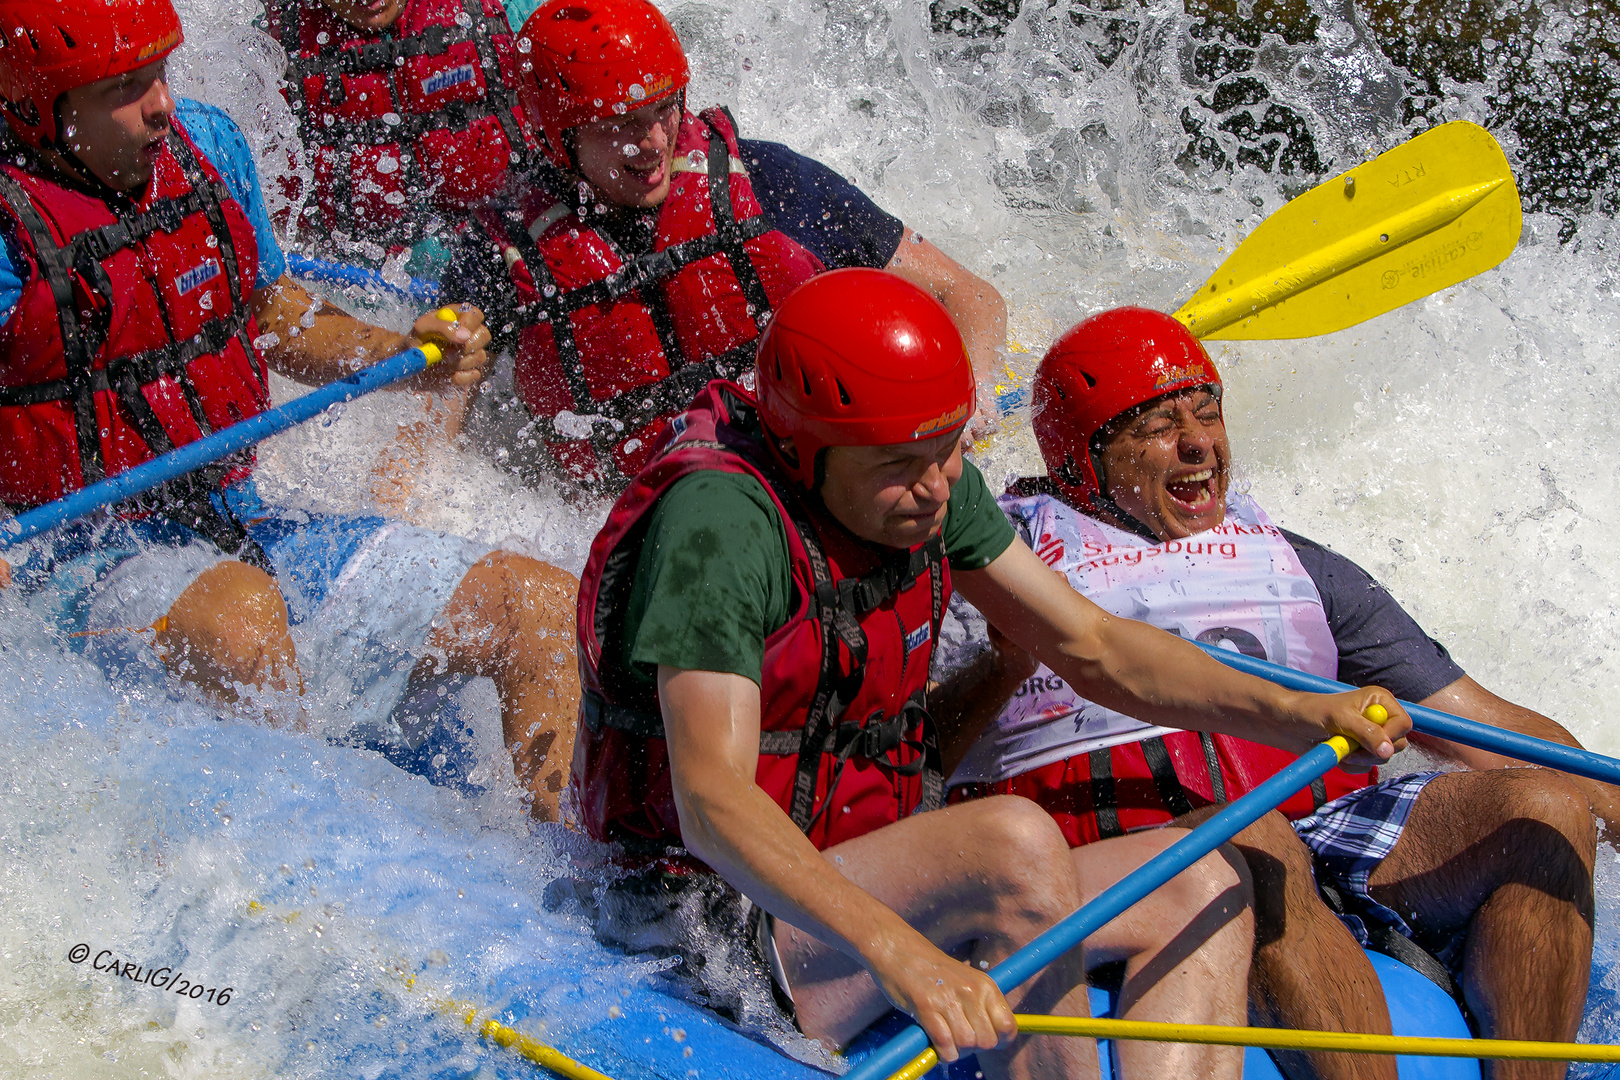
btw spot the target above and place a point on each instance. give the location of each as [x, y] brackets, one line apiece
[48, 47]
[1108, 365]
[860, 358]
[585, 60]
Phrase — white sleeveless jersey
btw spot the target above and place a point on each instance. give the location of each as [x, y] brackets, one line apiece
[1239, 586]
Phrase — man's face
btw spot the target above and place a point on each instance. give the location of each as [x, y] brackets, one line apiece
[893, 495]
[1168, 466]
[627, 158]
[117, 125]
[373, 16]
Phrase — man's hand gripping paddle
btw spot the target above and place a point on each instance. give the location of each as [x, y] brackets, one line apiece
[1434, 211]
[908, 1054]
[227, 441]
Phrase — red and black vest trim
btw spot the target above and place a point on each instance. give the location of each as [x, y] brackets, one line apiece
[838, 605]
[83, 255]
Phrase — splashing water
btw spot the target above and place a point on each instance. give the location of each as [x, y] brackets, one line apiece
[1076, 155]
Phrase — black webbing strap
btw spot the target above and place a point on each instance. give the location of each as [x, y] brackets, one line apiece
[731, 234]
[1212, 762]
[1318, 792]
[142, 369]
[1164, 775]
[1392, 943]
[1104, 805]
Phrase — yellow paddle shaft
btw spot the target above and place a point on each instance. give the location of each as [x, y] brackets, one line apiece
[525, 1046]
[1287, 1039]
[536, 1051]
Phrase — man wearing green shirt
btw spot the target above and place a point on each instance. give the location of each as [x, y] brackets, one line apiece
[756, 623]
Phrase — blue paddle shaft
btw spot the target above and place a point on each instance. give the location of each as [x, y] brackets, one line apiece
[418, 291]
[1570, 759]
[1065, 935]
[193, 455]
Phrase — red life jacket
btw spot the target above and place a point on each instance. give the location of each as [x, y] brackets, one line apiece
[632, 339]
[1117, 789]
[426, 109]
[846, 745]
[133, 334]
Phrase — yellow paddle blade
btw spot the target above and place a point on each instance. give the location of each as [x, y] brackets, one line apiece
[1434, 211]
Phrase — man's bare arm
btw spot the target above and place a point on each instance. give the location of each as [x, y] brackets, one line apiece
[314, 342]
[1157, 677]
[711, 723]
[976, 307]
[1468, 699]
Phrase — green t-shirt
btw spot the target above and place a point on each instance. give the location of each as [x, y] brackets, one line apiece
[714, 578]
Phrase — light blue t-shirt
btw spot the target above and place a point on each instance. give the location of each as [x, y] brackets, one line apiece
[221, 142]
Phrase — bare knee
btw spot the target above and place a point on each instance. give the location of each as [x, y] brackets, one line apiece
[228, 627]
[1221, 877]
[1550, 799]
[516, 610]
[1023, 855]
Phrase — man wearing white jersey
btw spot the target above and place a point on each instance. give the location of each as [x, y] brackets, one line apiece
[1487, 870]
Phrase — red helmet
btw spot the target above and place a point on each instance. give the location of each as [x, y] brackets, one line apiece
[48, 47]
[1108, 365]
[585, 60]
[860, 358]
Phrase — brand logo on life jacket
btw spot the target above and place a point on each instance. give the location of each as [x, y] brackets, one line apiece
[1180, 374]
[161, 45]
[919, 637]
[942, 422]
[444, 80]
[200, 274]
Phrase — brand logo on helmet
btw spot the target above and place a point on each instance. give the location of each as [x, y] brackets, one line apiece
[1180, 374]
[162, 45]
[942, 422]
[655, 86]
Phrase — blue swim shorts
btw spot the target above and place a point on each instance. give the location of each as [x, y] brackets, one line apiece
[362, 593]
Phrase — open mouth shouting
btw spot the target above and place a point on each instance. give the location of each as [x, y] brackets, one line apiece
[1194, 492]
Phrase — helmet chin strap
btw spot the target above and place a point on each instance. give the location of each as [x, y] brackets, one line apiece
[1105, 502]
[1101, 500]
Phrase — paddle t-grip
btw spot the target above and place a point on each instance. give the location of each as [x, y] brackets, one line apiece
[1376, 713]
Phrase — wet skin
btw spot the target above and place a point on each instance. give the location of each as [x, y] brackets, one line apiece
[372, 16]
[627, 159]
[116, 126]
[1168, 466]
[893, 495]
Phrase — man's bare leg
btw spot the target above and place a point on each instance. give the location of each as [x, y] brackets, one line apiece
[1184, 949]
[1308, 973]
[1506, 857]
[979, 879]
[228, 632]
[511, 619]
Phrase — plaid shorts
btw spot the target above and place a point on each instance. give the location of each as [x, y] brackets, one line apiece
[1352, 834]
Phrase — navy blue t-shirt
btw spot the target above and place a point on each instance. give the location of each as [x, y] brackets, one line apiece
[1379, 643]
[806, 200]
